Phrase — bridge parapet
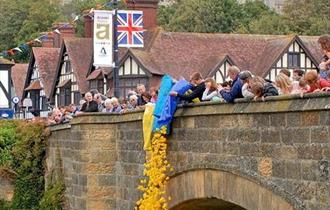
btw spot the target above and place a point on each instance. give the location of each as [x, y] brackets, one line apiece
[280, 147]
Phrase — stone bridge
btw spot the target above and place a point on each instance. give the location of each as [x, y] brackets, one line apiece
[272, 155]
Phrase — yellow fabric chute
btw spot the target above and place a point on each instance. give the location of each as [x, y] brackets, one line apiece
[148, 120]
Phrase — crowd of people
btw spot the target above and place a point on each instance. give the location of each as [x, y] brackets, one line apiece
[94, 101]
[242, 84]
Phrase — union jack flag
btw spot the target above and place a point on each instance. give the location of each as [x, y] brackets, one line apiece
[130, 28]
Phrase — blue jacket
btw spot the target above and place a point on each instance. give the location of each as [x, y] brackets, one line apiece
[235, 92]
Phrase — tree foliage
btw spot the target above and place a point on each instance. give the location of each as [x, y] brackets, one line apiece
[23, 149]
[307, 17]
[22, 21]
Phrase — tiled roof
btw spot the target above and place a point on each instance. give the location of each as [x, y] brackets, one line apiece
[180, 54]
[312, 46]
[46, 60]
[18, 76]
[34, 86]
[95, 74]
[80, 54]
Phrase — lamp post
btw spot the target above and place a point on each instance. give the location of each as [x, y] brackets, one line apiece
[115, 52]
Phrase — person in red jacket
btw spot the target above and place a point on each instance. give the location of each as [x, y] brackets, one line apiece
[316, 84]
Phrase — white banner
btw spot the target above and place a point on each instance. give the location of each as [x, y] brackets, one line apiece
[103, 32]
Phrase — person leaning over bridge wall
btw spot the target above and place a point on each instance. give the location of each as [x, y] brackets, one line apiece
[284, 84]
[324, 42]
[197, 87]
[262, 89]
[316, 83]
[211, 92]
[236, 89]
[246, 77]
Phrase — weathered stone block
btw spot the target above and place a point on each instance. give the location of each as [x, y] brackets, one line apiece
[320, 134]
[270, 135]
[295, 135]
[278, 120]
[310, 118]
[293, 170]
[312, 152]
[106, 180]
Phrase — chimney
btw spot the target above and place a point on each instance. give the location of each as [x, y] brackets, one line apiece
[48, 39]
[88, 26]
[64, 30]
[149, 8]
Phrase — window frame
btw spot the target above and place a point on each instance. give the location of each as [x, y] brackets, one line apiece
[291, 56]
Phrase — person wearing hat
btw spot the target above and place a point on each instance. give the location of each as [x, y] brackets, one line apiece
[246, 77]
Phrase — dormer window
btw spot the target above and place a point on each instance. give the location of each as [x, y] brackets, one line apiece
[67, 63]
[293, 59]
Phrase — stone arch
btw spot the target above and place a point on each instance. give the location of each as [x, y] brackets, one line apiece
[222, 186]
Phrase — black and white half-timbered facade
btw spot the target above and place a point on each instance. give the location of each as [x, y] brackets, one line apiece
[5, 85]
[67, 89]
[70, 82]
[39, 80]
[220, 74]
[295, 56]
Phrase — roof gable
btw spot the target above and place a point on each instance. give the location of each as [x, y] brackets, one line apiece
[80, 54]
[46, 60]
[18, 75]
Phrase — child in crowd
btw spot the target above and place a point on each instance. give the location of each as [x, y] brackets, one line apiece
[211, 91]
[262, 89]
[316, 83]
[297, 74]
[300, 87]
[146, 97]
[284, 84]
[154, 94]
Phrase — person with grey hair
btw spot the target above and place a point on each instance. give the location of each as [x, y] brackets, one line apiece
[99, 101]
[141, 89]
[116, 108]
[132, 102]
[90, 105]
[108, 106]
[236, 89]
[246, 77]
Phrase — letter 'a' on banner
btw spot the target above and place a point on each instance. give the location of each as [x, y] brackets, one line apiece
[103, 30]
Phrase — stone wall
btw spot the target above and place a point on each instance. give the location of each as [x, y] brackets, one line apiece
[281, 146]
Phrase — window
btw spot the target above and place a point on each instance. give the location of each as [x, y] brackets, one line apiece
[35, 97]
[97, 84]
[293, 59]
[65, 95]
[127, 84]
[67, 66]
[77, 97]
[44, 103]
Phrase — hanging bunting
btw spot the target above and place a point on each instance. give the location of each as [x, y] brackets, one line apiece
[37, 40]
[43, 37]
[57, 31]
[17, 49]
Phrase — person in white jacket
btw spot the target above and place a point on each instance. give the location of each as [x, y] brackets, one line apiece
[246, 77]
[211, 92]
